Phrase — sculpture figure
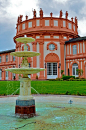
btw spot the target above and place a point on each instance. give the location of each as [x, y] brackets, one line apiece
[34, 13]
[76, 20]
[41, 13]
[66, 14]
[51, 14]
[61, 13]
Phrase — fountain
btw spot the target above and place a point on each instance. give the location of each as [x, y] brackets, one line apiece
[25, 104]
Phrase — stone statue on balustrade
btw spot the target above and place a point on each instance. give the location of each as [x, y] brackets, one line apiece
[76, 20]
[34, 13]
[61, 13]
[41, 13]
[66, 15]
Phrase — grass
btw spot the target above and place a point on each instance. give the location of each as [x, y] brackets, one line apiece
[46, 87]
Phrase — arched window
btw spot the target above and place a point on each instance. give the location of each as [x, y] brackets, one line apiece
[74, 69]
[74, 50]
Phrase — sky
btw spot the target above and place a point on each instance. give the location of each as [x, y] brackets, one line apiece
[11, 9]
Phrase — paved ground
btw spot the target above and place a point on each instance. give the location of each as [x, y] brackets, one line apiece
[45, 98]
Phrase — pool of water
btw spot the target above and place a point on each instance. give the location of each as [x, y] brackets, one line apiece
[53, 113]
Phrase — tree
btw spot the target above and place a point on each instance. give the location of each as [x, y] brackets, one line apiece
[80, 72]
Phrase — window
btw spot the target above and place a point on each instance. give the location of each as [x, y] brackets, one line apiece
[46, 22]
[51, 47]
[65, 37]
[23, 26]
[0, 59]
[56, 37]
[37, 37]
[64, 24]
[30, 24]
[55, 22]
[74, 50]
[13, 58]
[6, 75]
[46, 36]
[74, 70]
[37, 22]
[6, 58]
[69, 25]
[74, 27]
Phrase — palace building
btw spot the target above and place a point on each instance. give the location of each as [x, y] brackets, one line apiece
[56, 38]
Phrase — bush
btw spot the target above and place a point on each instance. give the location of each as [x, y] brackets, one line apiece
[68, 77]
[58, 79]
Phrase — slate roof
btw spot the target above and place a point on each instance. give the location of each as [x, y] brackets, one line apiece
[76, 39]
[7, 51]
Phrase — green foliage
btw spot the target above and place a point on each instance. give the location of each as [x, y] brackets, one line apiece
[80, 72]
[67, 77]
[58, 79]
[62, 71]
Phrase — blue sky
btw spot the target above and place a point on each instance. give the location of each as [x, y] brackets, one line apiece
[11, 9]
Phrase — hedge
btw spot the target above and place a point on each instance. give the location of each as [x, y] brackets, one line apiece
[67, 77]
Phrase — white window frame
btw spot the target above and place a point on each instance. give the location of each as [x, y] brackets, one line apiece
[74, 27]
[46, 22]
[75, 67]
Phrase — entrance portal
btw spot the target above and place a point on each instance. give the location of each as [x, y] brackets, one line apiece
[51, 70]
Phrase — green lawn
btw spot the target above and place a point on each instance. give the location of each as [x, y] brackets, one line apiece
[46, 87]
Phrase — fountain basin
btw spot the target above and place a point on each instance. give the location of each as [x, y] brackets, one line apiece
[25, 70]
[25, 39]
[25, 54]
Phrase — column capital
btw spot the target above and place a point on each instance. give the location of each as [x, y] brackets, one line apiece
[34, 43]
[41, 43]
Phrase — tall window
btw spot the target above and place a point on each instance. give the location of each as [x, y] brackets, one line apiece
[23, 26]
[46, 22]
[30, 24]
[6, 75]
[64, 24]
[74, 27]
[0, 59]
[69, 25]
[13, 58]
[55, 22]
[74, 50]
[74, 69]
[37, 22]
[6, 58]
